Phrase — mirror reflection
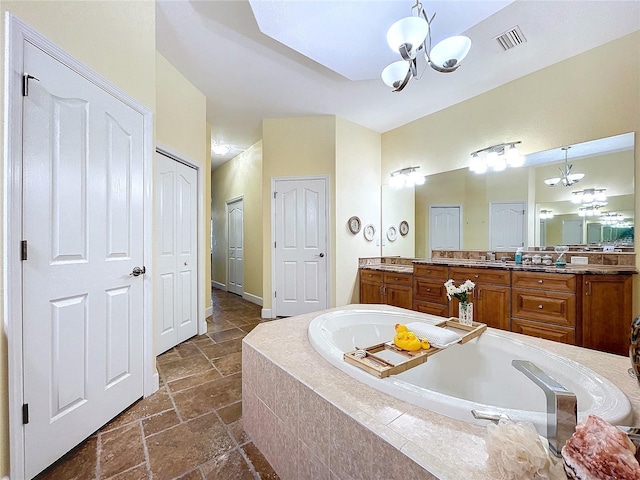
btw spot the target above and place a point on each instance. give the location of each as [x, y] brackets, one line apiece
[537, 205]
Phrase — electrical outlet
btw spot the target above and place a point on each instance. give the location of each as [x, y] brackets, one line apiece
[580, 260]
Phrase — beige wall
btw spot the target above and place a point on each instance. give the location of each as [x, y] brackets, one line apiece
[570, 102]
[295, 147]
[181, 125]
[241, 176]
[116, 39]
[356, 180]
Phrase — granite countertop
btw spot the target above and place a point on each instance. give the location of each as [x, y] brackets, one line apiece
[449, 448]
[570, 269]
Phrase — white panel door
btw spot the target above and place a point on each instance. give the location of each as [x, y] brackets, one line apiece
[176, 282]
[236, 254]
[572, 232]
[300, 246]
[82, 219]
[506, 225]
[444, 228]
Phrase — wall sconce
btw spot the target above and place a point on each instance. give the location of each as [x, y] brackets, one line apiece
[546, 214]
[592, 210]
[611, 218]
[589, 196]
[410, 35]
[496, 158]
[406, 177]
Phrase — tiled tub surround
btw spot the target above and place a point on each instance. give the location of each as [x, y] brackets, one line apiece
[310, 420]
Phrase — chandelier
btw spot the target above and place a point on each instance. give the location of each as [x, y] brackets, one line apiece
[406, 177]
[496, 158]
[566, 177]
[411, 35]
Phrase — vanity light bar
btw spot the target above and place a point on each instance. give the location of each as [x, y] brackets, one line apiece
[496, 158]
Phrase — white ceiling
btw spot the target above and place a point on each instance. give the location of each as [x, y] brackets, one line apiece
[248, 76]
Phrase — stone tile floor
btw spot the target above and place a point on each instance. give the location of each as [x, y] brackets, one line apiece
[191, 428]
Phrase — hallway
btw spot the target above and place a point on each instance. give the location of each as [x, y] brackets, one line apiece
[191, 428]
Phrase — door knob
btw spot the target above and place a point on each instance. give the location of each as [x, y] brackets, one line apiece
[322, 255]
[138, 271]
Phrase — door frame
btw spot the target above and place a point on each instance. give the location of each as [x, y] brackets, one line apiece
[444, 205]
[226, 234]
[325, 178]
[16, 34]
[189, 162]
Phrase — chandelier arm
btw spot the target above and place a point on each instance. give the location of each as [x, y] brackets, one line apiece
[405, 81]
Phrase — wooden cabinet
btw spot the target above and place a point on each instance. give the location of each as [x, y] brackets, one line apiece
[397, 289]
[491, 296]
[429, 294]
[606, 312]
[371, 286]
[386, 287]
[544, 305]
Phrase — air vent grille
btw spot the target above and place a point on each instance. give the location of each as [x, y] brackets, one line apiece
[511, 38]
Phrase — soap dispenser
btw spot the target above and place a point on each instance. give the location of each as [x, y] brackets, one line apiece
[519, 256]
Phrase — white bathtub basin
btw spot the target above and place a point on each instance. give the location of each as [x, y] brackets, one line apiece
[476, 375]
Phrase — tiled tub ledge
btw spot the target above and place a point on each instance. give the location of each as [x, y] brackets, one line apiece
[313, 421]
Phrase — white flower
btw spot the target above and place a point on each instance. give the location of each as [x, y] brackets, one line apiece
[459, 292]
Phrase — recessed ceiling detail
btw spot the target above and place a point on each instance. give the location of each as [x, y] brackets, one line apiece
[349, 37]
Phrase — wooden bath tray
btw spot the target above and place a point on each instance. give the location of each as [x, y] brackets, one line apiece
[382, 368]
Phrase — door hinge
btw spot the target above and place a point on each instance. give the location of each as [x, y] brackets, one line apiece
[25, 413]
[274, 244]
[23, 250]
[274, 194]
[275, 294]
[25, 83]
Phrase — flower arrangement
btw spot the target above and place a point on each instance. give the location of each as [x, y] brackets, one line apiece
[461, 292]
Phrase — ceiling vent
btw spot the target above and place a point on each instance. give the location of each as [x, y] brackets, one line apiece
[511, 38]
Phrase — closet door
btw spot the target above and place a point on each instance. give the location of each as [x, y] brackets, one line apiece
[176, 278]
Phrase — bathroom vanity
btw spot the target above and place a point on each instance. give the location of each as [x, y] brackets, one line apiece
[583, 305]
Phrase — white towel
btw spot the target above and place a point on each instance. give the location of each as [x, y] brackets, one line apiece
[437, 336]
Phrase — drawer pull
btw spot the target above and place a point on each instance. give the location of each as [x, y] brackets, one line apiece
[540, 306]
[428, 289]
[477, 276]
[539, 281]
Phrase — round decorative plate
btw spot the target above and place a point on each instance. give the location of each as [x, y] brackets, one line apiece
[369, 232]
[354, 224]
[404, 228]
[392, 234]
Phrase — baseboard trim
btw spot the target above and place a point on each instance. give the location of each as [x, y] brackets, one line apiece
[252, 298]
[219, 285]
[266, 313]
[208, 312]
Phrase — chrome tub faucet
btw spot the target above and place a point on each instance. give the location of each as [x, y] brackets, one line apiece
[562, 405]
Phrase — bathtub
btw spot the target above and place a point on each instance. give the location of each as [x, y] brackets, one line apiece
[476, 375]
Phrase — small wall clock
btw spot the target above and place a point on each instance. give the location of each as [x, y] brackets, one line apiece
[392, 234]
[354, 224]
[404, 228]
[369, 232]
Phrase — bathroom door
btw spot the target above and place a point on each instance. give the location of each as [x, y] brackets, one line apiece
[300, 246]
[82, 298]
[506, 225]
[176, 231]
[445, 227]
[235, 229]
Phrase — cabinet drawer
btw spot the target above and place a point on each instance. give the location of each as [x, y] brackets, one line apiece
[432, 271]
[432, 308]
[371, 276]
[429, 290]
[549, 307]
[558, 282]
[493, 276]
[544, 330]
[398, 278]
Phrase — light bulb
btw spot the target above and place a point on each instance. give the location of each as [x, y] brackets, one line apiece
[409, 31]
[514, 159]
[448, 53]
[395, 73]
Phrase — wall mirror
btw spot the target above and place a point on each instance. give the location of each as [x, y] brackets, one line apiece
[607, 164]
